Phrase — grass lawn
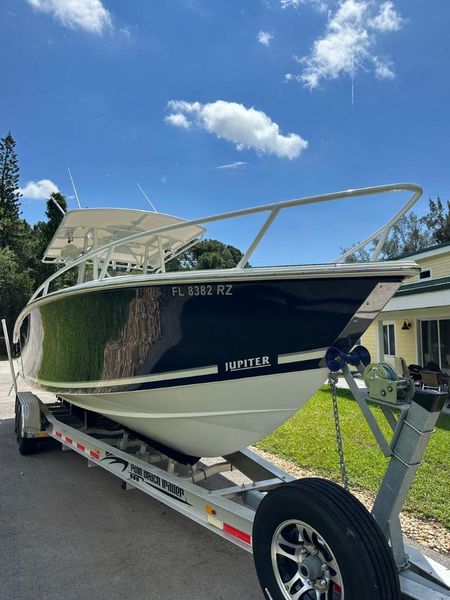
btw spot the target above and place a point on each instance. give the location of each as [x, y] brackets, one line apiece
[308, 439]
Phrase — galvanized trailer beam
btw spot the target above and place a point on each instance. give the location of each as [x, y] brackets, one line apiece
[407, 455]
[420, 578]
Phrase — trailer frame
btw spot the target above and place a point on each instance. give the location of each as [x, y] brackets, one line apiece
[228, 511]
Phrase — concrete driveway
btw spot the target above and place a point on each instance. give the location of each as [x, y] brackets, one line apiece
[67, 531]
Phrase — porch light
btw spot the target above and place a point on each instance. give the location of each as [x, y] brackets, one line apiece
[406, 325]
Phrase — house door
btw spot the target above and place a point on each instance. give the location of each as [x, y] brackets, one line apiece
[436, 342]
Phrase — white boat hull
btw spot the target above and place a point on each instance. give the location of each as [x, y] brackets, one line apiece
[185, 418]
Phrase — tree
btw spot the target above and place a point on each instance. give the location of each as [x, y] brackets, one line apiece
[43, 232]
[437, 221]
[9, 192]
[16, 285]
[407, 236]
[207, 254]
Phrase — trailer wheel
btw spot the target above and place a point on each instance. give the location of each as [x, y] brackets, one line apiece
[313, 540]
[26, 445]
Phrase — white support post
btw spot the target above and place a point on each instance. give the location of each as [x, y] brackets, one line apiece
[161, 255]
[81, 273]
[95, 268]
[145, 265]
[106, 262]
[380, 244]
[267, 223]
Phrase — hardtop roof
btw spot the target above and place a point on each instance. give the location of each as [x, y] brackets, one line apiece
[87, 228]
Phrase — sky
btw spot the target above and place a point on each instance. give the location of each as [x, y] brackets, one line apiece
[217, 105]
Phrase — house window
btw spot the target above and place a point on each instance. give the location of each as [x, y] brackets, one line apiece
[425, 274]
[430, 342]
[389, 339]
[436, 343]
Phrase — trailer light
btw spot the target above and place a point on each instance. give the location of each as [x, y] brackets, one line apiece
[209, 509]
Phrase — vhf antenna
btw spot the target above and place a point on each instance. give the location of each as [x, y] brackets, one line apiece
[56, 203]
[148, 199]
[74, 188]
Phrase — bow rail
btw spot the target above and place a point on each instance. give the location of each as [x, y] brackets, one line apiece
[101, 257]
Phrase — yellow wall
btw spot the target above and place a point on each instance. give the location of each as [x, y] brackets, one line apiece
[439, 265]
[369, 340]
[405, 341]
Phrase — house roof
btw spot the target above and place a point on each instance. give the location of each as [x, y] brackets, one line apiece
[419, 287]
[429, 251]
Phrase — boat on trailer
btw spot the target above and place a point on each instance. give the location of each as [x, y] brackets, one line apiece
[310, 538]
[204, 362]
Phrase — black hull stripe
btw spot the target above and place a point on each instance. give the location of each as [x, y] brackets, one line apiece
[182, 381]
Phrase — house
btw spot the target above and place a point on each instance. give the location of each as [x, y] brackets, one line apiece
[415, 324]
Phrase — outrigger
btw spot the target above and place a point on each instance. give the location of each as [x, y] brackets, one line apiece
[310, 538]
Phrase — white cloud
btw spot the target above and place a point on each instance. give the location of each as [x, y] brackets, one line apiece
[348, 42]
[89, 15]
[383, 69]
[178, 119]
[387, 19]
[239, 164]
[264, 38]
[245, 127]
[290, 3]
[320, 5]
[38, 190]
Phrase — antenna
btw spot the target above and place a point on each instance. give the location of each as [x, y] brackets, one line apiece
[57, 204]
[74, 188]
[148, 199]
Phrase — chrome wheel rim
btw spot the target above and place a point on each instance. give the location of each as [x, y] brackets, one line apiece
[304, 566]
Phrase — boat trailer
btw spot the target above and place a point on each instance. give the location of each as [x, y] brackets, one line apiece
[311, 539]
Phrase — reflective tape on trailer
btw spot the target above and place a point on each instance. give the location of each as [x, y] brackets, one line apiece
[91, 454]
[237, 533]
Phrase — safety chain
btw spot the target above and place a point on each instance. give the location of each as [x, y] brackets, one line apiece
[332, 380]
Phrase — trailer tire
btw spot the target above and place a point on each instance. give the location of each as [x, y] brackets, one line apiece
[26, 445]
[313, 535]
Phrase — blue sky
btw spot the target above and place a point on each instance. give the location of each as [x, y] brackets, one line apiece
[290, 97]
